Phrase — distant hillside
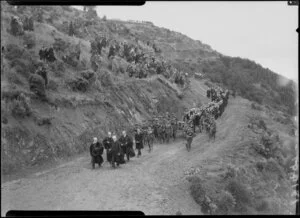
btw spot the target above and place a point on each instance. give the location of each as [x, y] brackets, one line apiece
[247, 78]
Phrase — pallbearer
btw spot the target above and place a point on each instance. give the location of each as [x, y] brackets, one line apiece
[107, 142]
[139, 141]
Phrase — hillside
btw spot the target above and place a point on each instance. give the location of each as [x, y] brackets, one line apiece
[247, 78]
[92, 90]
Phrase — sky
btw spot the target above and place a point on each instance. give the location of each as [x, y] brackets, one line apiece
[264, 32]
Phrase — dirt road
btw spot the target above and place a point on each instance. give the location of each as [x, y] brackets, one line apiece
[153, 183]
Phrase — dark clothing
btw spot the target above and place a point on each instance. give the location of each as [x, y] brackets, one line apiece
[96, 151]
[107, 142]
[116, 153]
[126, 145]
[139, 141]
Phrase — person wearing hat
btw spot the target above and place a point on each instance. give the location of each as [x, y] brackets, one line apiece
[96, 151]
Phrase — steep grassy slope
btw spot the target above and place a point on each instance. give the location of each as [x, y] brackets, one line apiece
[111, 102]
[234, 73]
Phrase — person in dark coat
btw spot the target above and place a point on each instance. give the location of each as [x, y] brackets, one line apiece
[107, 142]
[116, 152]
[96, 151]
[139, 142]
[126, 144]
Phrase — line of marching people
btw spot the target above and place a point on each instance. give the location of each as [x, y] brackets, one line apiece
[116, 149]
[205, 117]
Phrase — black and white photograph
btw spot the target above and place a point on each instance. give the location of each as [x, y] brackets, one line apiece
[165, 108]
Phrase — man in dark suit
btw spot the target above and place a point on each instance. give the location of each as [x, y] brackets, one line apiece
[96, 151]
[116, 152]
[126, 144]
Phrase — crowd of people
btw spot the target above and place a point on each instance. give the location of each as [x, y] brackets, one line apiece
[205, 117]
[162, 127]
[141, 64]
[118, 150]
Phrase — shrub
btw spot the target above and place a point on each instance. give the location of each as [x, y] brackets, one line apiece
[70, 59]
[110, 66]
[13, 51]
[37, 85]
[78, 84]
[180, 95]
[225, 203]
[197, 190]
[84, 63]
[207, 83]
[262, 205]
[16, 27]
[4, 120]
[239, 192]
[13, 78]
[20, 107]
[256, 106]
[43, 121]
[260, 166]
[60, 45]
[273, 167]
[262, 125]
[260, 149]
[58, 68]
[201, 195]
[29, 40]
[89, 76]
[21, 66]
[230, 172]
[52, 85]
[10, 95]
[106, 79]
